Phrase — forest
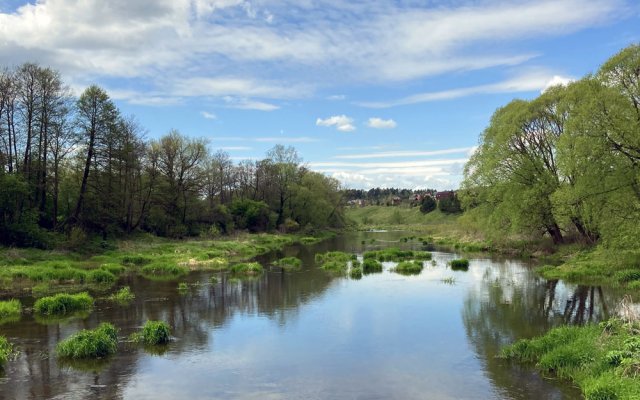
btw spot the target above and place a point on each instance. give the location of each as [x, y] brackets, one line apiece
[565, 165]
[75, 167]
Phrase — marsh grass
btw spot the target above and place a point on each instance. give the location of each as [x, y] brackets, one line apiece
[409, 268]
[355, 272]
[288, 263]
[370, 266]
[450, 280]
[183, 287]
[247, 269]
[96, 343]
[396, 255]
[461, 264]
[163, 270]
[63, 303]
[153, 333]
[603, 360]
[6, 351]
[123, 296]
[10, 309]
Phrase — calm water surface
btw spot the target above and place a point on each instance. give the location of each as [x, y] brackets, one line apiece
[307, 335]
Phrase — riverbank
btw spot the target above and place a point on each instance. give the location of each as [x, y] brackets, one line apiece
[51, 271]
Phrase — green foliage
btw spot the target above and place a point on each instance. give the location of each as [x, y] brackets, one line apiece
[289, 263]
[449, 205]
[459, 264]
[99, 342]
[428, 205]
[409, 267]
[252, 215]
[134, 260]
[370, 265]
[163, 270]
[153, 333]
[63, 303]
[355, 272]
[183, 287]
[395, 254]
[6, 350]
[252, 268]
[123, 296]
[337, 256]
[336, 267]
[100, 276]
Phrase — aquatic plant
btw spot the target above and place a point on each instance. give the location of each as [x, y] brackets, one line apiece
[355, 272]
[213, 279]
[336, 267]
[252, 268]
[459, 264]
[63, 303]
[337, 256]
[10, 309]
[6, 350]
[183, 287]
[395, 254]
[163, 269]
[99, 342]
[289, 263]
[450, 280]
[123, 296]
[153, 333]
[409, 267]
[134, 260]
[370, 266]
[100, 276]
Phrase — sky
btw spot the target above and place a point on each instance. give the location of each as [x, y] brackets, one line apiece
[373, 93]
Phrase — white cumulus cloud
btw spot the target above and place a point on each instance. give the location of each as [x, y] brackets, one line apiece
[341, 123]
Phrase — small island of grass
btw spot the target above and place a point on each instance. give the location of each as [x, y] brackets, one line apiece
[95, 343]
[63, 303]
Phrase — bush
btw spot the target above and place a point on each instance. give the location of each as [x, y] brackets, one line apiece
[100, 276]
[450, 205]
[409, 268]
[10, 309]
[252, 215]
[153, 333]
[460, 264]
[253, 268]
[96, 343]
[428, 204]
[63, 303]
[6, 350]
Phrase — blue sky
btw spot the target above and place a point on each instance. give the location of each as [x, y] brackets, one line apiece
[374, 93]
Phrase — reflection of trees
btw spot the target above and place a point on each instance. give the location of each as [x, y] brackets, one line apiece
[509, 303]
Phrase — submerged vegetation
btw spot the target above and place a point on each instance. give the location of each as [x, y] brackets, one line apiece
[63, 303]
[370, 266]
[6, 350]
[10, 309]
[395, 254]
[153, 333]
[603, 360]
[123, 296]
[99, 342]
[460, 264]
[288, 263]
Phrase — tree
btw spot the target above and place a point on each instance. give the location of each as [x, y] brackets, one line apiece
[428, 204]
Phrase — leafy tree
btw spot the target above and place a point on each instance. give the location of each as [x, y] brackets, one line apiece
[428, 204]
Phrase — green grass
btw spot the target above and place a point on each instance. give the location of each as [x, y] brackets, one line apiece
[99, 342]
[289, 263]
[6, 350]
[409, 268]
[183, 287]
[63, 303]
[370, 266]
[459, 264]
[335, 262]
[355, 272]
[163, 270]
[153, 333]
[123, 296]
[336, 267]
[10, 309]
[450, 280]
[603, 360]
[247, 269]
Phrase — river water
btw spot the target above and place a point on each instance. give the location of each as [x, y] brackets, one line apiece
[309, 335]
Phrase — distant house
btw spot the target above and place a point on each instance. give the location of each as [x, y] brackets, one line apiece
[447, 194]
[356, 203]
[396, 201]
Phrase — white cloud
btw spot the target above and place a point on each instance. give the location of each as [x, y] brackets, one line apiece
[208, 115]
[341, 122]
[557, 80]
[284, 139]
[379, 123]
[234, 148]
[248, 104]
[336, 97]
[405, 153]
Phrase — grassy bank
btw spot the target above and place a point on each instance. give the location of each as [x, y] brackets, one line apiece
[46, 272]
[603, 360]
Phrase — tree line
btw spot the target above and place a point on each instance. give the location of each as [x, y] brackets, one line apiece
[78, 166]
[566, 164]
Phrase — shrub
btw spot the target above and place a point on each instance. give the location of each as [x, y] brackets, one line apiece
[253, 268]
[370, 266]
[63, 303]
[289, 263]
[409, 268]
[460, 264]
[124, 295]
[95, 343]
[6, 350]
[428, 204]
[10, 309]
[252, 215]
[153, 333]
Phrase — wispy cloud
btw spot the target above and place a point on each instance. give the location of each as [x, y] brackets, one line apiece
[405, 153]
[284, 139]
[340, 122]
[248, 104]
[208, 115]
[379, 123]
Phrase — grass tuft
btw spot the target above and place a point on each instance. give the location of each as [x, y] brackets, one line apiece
[247, 269]
[95, 343]
[153, 333]
[370, 266]
[460, 264]
[289, 263]
[10, 309]
[409, 268]
[123, 296]
[63, 303]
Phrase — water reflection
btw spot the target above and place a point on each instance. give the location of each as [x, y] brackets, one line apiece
[308, 334]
